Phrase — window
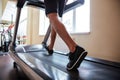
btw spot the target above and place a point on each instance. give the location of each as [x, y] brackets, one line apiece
[75, 21]
[9, 15]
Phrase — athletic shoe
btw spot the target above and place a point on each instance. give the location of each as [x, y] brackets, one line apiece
[49, 51]
[76, 58]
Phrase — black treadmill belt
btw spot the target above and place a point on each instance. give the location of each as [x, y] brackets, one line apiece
[56, 60]
[44, 70]
[87, 71]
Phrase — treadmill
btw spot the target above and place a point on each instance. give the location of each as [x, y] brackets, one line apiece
[37, 65]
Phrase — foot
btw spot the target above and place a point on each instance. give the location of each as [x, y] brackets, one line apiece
[49, 51]
[76, 58]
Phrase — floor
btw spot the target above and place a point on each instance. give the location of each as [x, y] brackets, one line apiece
[7, 72]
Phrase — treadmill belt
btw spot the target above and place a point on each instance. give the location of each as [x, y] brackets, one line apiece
[56, 60]
[56, 67]
[44, 70]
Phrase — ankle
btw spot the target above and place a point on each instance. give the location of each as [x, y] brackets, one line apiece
[50, 47]
[72, 49]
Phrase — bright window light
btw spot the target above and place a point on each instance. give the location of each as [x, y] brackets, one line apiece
[75, 21]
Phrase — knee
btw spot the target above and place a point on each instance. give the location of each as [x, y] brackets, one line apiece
[52, 16]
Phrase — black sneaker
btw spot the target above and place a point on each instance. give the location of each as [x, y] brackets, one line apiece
[76, 58]
[49, 51]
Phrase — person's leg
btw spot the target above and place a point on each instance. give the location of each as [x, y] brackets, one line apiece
[49, 47]
[52, 38]
[77, 53]
[60, 29]
[51, 9]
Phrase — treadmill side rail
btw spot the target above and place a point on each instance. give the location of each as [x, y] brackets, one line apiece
[28, 71]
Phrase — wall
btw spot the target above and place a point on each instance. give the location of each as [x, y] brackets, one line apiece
[4, 2]
[0, 9]
[33, 26]
[104, 39]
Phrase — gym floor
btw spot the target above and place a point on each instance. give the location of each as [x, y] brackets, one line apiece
[7, 72]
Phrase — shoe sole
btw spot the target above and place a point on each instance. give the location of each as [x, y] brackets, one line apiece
[78, 62]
